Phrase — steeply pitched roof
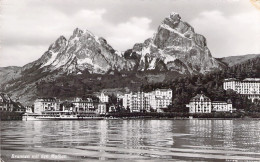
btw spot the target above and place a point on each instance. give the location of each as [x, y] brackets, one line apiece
[199, 96]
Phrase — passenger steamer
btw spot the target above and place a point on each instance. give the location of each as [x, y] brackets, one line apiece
[62, 115]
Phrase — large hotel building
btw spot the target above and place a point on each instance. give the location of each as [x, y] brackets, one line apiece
[140, 101]
[249, 87]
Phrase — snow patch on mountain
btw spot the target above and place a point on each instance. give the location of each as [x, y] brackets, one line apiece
[169, 58]
[85, 61]
[51, 59]
[165, 26]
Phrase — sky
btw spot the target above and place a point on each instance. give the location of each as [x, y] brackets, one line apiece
[29, 27]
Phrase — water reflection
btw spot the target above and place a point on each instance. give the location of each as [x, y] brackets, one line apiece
[200, 140]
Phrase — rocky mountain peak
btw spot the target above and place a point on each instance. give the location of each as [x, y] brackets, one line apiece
[77, 32]
[175, 41]
[60, 42]
[83, 51]
[173, 19]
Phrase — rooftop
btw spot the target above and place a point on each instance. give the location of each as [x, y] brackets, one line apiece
[245, 80]
[198, 96]
[230, 79]
[163, 89]
[219, 102]
[252, 80]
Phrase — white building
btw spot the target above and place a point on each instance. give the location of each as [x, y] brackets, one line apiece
[83, 104]
[102, 108]
[163, 98]
[203, 104]
[103, 97]
[222, 106]
[249, 87]
[29, 109]
[46, 104]
[127, 100]
[140, 101]
[200, 104]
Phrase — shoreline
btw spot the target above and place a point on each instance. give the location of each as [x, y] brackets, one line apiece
[138, 118]
[12, 116]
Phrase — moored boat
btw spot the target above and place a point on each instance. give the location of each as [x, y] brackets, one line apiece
[62, 115]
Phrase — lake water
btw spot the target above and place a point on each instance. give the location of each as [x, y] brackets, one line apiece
[131, 140]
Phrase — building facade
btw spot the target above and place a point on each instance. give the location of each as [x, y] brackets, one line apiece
[200, 104]
[163, 98]
[103, 97]
[102, 109]
[249, 87]
[144, 102]
[46, 104]
[19, 107]
[222, 106]
[203, 104]
[80, 105]
[6, 103]
[29, 109]
[83, 104]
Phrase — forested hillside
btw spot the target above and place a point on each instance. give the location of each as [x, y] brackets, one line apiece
[234, 60]
[211, 84]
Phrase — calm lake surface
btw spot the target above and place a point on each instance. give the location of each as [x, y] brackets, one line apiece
[131, 140]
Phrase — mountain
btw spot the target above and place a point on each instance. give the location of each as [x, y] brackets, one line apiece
[234, 60]
[82, 51]
[175, 49]
[9, 73]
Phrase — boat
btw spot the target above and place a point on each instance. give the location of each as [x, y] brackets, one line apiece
[61, 115]
[112, 118]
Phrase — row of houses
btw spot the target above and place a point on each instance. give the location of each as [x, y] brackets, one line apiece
[134, 102]
[74, 105]
[156, 100]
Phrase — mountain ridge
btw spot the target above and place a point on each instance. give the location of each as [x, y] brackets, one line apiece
[234, 60]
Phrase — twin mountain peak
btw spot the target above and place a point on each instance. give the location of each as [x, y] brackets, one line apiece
[174, 47]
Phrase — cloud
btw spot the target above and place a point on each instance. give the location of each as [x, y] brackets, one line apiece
[19, 55]
[231, 27]
[128, 33]
[22, 35]
[229, 34]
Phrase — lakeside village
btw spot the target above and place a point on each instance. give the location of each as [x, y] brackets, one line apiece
[138, 104]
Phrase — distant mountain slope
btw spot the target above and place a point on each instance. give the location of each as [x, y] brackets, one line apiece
[9, 73]
[246, 69]
[233, 60]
